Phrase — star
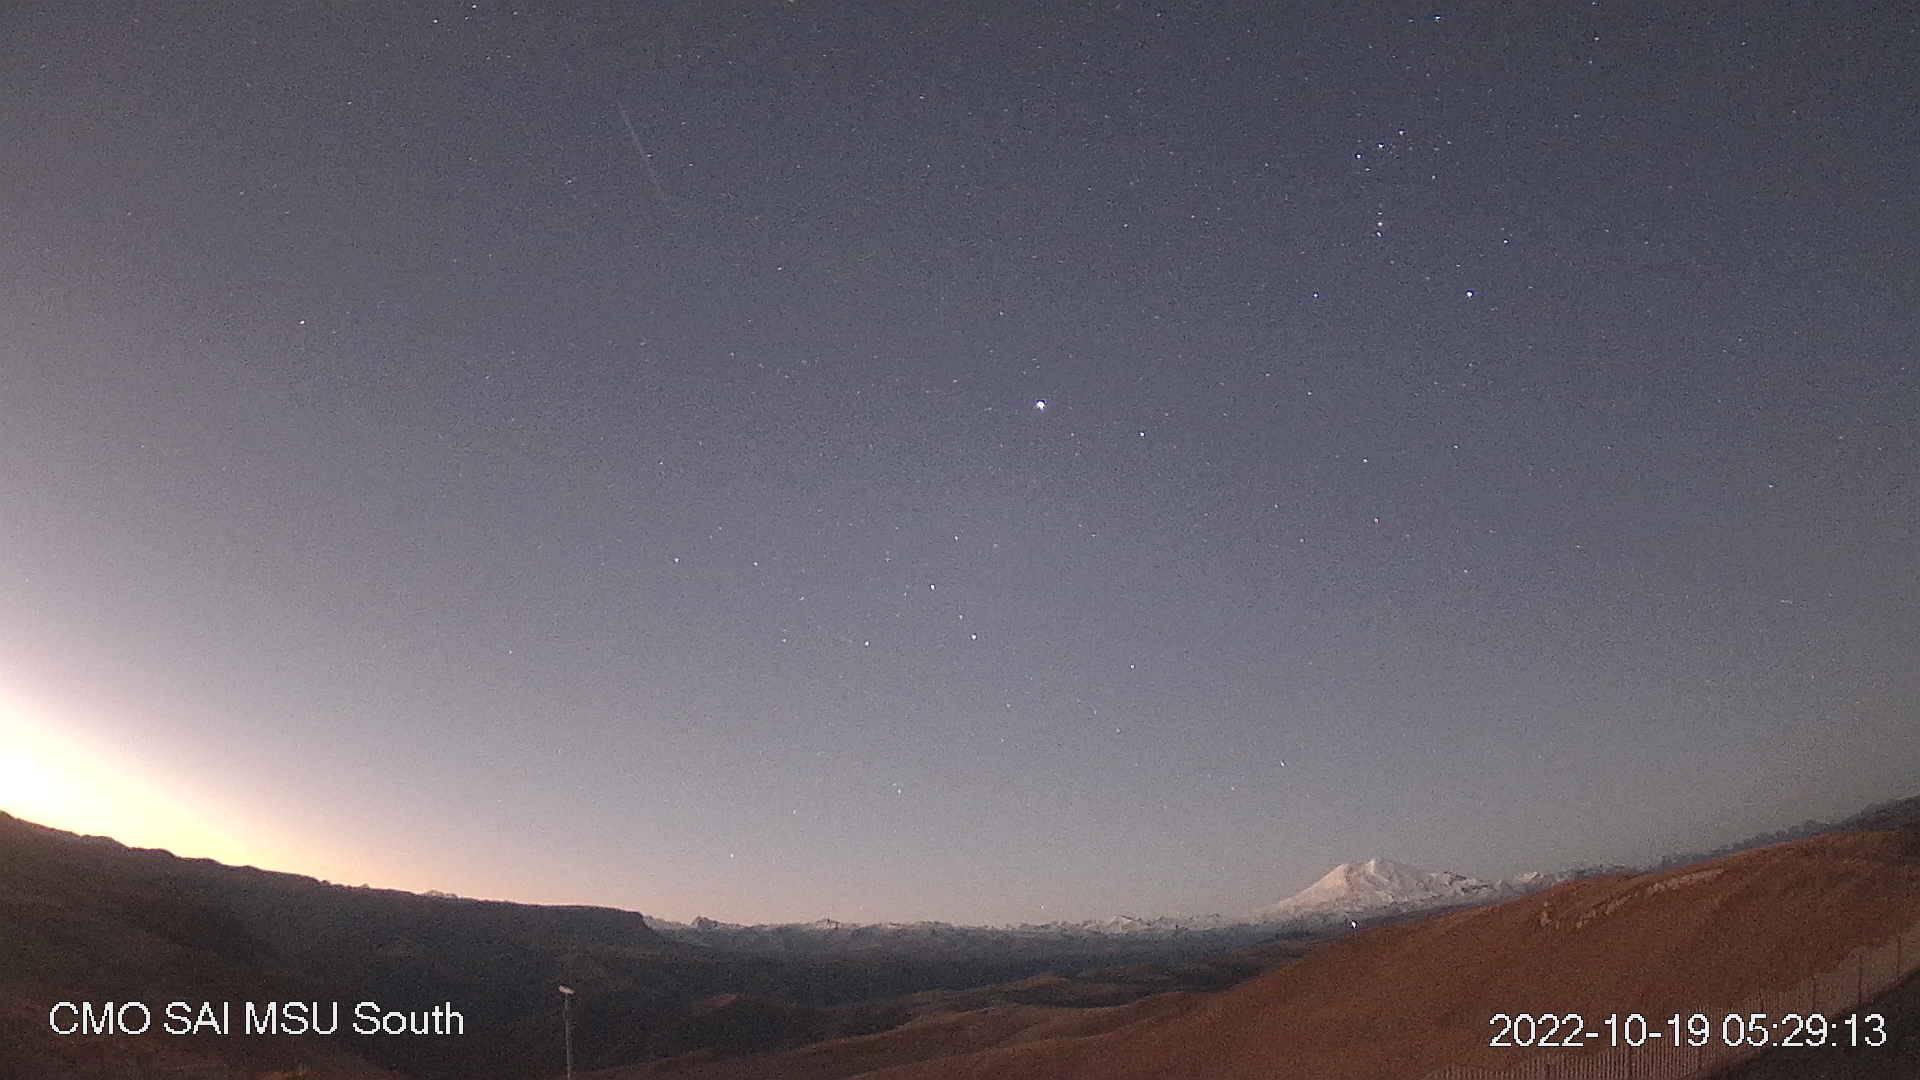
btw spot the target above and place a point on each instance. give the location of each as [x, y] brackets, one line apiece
[1040, 405]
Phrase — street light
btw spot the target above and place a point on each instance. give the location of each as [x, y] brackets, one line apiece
[566, 1024]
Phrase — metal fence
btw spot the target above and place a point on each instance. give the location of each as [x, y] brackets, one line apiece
[1865, 974]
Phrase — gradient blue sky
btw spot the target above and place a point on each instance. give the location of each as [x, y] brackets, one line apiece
[1479, 436]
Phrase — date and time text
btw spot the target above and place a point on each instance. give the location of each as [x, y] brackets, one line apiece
[1573, 1031]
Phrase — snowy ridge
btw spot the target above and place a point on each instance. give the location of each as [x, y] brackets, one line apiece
[1343, 896]
[1378, 885]
[1111, 925]
[1382, 887]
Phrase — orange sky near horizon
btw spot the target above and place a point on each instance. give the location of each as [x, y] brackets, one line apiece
[61, 767]
[68, 765]
[61, 771]
[55, 773]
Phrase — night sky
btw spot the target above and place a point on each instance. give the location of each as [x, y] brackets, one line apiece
[955, 461]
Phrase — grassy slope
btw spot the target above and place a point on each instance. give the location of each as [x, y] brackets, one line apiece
[1404, 999]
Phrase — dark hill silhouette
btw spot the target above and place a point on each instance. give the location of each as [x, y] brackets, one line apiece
[1898, 814]
[85, 918]
[88, 919]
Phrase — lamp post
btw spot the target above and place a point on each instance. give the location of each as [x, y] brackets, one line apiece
[566, 1024]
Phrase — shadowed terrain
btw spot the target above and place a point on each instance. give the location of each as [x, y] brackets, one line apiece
[86, 919]
[1401, 1000]
[1898, 1060]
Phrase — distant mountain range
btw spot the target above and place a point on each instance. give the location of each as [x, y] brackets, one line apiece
[85, 918]
[1377, 885]
[1351, 893]
[1344, 897]
[1110, 939]
[1895, 814]
[1409, 997]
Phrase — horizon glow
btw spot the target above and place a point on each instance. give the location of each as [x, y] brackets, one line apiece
[985, 470]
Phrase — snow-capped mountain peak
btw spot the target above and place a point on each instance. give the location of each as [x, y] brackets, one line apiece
[1376, 885]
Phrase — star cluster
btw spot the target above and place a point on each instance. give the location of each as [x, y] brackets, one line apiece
[954, 463]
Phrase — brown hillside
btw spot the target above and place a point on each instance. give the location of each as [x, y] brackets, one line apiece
[1402, 1000]
[1898, 1059]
